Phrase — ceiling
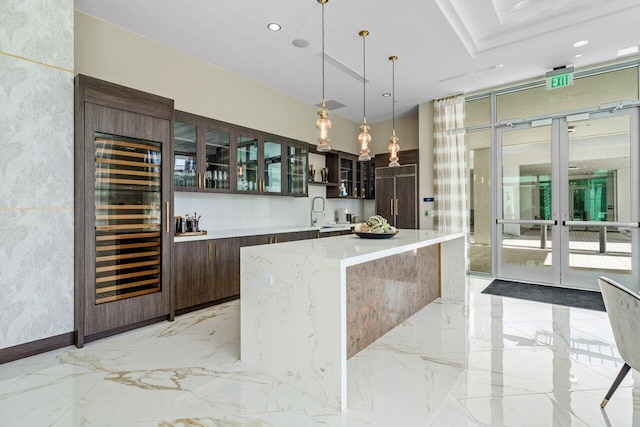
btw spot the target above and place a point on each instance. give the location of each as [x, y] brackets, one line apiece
[435, 41]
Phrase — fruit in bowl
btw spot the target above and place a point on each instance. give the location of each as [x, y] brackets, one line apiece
[375, 224]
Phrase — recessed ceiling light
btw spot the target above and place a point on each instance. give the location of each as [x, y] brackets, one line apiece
[386, 94]
[274, 26]
[581, 43]
[300, 43]
[628, 51]
[577, 55]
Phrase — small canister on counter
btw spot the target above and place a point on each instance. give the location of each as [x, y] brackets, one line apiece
[180, 225]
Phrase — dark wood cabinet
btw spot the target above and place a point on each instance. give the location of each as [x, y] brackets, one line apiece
[122, 209]
[206, 271]
[366, 178]
[214, 156]
[270, 164]
[349, 174]
[227, 268]
[397, 195]
[409, 157]
[203, 154]
[192, 273]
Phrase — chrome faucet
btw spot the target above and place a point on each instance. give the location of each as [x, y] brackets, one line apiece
[314, 217]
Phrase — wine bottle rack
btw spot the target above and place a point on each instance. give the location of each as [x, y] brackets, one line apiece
[128, 218]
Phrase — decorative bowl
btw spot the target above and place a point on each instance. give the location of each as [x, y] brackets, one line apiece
[375, 235]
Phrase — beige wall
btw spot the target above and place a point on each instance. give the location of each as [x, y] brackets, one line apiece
[406, 131]
[107, 52]
[425, 140]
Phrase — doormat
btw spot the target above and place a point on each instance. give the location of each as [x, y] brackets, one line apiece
[591, 300]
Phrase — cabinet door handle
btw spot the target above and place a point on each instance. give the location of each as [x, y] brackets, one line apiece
[199, 181]
[391, 202]
[275, 239]
[209, 251]
[215, 245]
[166, 207]
[396, 209]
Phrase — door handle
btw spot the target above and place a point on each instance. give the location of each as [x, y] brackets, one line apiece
[391, 202]
[396, 207]
[209, 251]
[215, 245]
[166, 207]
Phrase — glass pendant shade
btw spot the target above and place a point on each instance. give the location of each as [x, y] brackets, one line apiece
[364, 139]
[393, 149]
[323, 124]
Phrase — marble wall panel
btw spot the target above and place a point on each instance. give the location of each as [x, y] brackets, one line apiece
[36, 170]
[36, 124]
[454, 277]
[292, 328]
[383, 293]
[40, 30]
[36, 277]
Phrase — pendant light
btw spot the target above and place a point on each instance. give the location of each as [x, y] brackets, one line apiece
[393, 148]
[323, 124]
[365, 137]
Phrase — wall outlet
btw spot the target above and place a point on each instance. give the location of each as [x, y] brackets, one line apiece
[267, 279]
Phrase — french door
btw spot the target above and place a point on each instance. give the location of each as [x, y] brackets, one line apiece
[567, 199]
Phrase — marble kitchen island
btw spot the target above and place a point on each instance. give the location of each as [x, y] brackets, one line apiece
[307, 306]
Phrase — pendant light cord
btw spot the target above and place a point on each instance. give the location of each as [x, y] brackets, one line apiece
[393, 93]
[322, 52]
[364, 78]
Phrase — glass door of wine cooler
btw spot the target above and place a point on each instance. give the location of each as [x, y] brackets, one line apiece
[128, 217]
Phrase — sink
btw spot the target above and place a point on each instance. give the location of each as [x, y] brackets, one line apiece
[336, 225]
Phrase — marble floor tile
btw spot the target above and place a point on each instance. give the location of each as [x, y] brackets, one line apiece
[490, 362]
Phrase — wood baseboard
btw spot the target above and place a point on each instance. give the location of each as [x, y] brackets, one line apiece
[32, 348]
[126, 328]
[205, 305]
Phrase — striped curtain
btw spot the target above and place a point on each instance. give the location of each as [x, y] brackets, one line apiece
[450, 169]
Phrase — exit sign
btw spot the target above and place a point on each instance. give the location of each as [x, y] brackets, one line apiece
[560, 77]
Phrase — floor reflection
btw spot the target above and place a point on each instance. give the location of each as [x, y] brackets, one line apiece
[491, 361]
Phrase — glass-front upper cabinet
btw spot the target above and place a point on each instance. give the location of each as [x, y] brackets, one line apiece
[217, 151]
[185, 156]
[272, 167]
[365, 178]
[297, 160]
[202, 154]
[247, 163]
[348, 183]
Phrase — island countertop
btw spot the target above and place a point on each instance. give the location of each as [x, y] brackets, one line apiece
[352, 250]
[307, 306]
[259, 231]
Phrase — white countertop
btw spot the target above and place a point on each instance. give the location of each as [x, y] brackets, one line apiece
[241, 232]
[352, 250]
